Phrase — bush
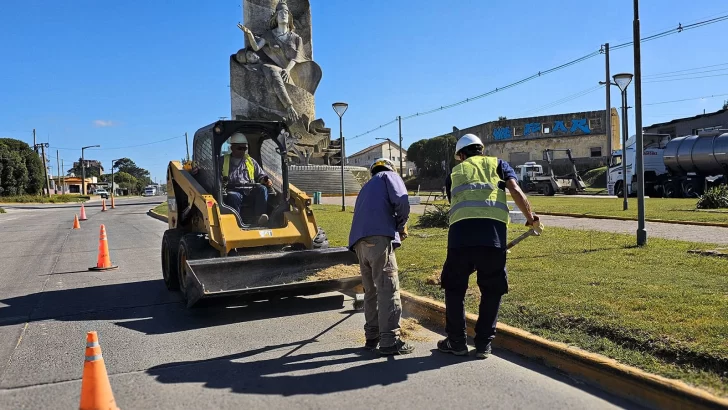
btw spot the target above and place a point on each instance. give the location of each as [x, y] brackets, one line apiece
[2, 211]
[439, 217]
[716, 197]
[596, 178]
[40, 199]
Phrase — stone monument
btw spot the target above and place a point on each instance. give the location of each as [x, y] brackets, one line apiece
[274, 77]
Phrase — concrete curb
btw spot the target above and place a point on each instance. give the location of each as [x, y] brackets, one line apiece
[607, 374]
[622, 218]
[157, 216]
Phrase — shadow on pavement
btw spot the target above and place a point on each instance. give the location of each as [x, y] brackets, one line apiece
[159, 311]
[78, 205]
[242, 373]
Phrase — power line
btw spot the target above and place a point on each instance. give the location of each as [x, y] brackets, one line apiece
[679, 29]
[126, 147]
[691, 73]
[564, 100]
[688, 78]
[687, 99]
[685, 70]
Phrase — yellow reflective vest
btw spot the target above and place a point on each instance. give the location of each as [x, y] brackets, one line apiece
[475, 192]
[248, 165]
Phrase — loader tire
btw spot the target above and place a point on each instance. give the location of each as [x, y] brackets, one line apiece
[192, 246]
[170, 249]
[321, 241]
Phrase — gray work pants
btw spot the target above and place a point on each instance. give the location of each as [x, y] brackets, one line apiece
[382, 305]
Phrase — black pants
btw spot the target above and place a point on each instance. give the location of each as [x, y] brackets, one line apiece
[490, 264]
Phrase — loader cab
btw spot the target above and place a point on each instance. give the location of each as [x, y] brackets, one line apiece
[266, 145]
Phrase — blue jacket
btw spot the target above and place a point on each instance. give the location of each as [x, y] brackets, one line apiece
[382, 208]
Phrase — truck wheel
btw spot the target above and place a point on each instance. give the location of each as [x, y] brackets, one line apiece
[170, 248]
[320, 241]
[619, 190]
[549, 191]
[192, 246]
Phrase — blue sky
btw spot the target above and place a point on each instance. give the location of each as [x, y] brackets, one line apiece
[121, 74]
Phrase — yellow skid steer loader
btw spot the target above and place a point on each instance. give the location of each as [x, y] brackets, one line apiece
[212, 249]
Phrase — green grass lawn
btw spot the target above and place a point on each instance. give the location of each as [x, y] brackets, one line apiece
[671, 209]
[161, 209]
[40, 199]
[657, 308]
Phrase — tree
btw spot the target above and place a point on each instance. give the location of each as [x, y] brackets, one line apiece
[91, 170]
[433, 157]
[21, 169]
[128, 166]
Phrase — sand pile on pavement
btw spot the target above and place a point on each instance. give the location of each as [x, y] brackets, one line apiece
[334, 272]
[410, 329]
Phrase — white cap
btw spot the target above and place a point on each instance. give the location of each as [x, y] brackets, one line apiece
[238, 138]
[465, 141]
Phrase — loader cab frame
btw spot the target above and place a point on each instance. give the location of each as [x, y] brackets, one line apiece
[266, 144]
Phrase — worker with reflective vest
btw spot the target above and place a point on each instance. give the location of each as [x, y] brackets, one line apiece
[477, 240]
[245, 181]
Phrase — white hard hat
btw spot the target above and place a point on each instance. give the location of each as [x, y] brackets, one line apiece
[238, 138]
[381, 162]
[467, 140]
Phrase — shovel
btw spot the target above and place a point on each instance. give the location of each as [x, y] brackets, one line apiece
[535, 230]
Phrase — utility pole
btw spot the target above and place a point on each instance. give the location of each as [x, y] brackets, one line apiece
[401, 161]
[608, 115]
[63, 185]
[45, 168]
[187, 144]
[58, 165]
[35, 146]
[641, 231]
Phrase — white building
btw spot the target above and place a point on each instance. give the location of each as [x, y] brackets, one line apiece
[385, 149]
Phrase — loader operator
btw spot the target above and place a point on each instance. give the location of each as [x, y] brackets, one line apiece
[380, 222]
[240, 172]
[477, 240]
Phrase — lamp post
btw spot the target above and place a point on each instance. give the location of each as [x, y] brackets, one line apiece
[623, 80]
[113, 161]
[641, 231]
[83, 167]
[340, 109]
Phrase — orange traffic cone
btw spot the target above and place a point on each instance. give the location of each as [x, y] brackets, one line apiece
[103, 261]
[95, 386]
[83, 214]
[103, 205]
[113, 205]
[76, 225]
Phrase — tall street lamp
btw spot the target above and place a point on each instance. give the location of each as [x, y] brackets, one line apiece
[389, 145]
[340, 109]
[83, 167]
[622, 80]
[641, 231]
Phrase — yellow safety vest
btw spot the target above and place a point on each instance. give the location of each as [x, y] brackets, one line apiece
[475, 192]
[248, 165]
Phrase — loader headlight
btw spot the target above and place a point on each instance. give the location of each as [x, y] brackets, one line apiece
[308, 201]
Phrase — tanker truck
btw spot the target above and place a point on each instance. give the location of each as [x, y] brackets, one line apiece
[682, 167]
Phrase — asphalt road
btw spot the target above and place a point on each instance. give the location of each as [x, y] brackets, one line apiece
[294, 353]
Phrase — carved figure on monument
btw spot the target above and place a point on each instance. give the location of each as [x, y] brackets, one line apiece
[274, 76]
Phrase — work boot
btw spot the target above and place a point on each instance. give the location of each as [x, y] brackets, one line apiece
[371, 344]
[448, 346]
[399, 347]
[482, 353]
[263, 220]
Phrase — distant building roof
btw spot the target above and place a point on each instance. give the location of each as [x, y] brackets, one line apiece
[375, 146]
[677, 120]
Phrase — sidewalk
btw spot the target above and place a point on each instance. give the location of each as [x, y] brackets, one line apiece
[690, 233]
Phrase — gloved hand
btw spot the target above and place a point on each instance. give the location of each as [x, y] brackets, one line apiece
[403, 234]
[534, 221]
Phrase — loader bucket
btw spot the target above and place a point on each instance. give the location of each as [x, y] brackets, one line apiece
[262, 276]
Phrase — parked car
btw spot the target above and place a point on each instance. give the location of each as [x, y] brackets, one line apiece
[102, 193]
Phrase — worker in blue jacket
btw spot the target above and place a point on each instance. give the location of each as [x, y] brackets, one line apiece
[380, 224]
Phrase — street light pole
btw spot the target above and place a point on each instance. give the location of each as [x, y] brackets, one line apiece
[609, 103]
[622, 81]
[401, 157]
[340, 109]
[83, 167]
[641, 231]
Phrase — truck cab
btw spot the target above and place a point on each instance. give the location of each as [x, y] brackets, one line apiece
[654, 166]
[528, 171]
